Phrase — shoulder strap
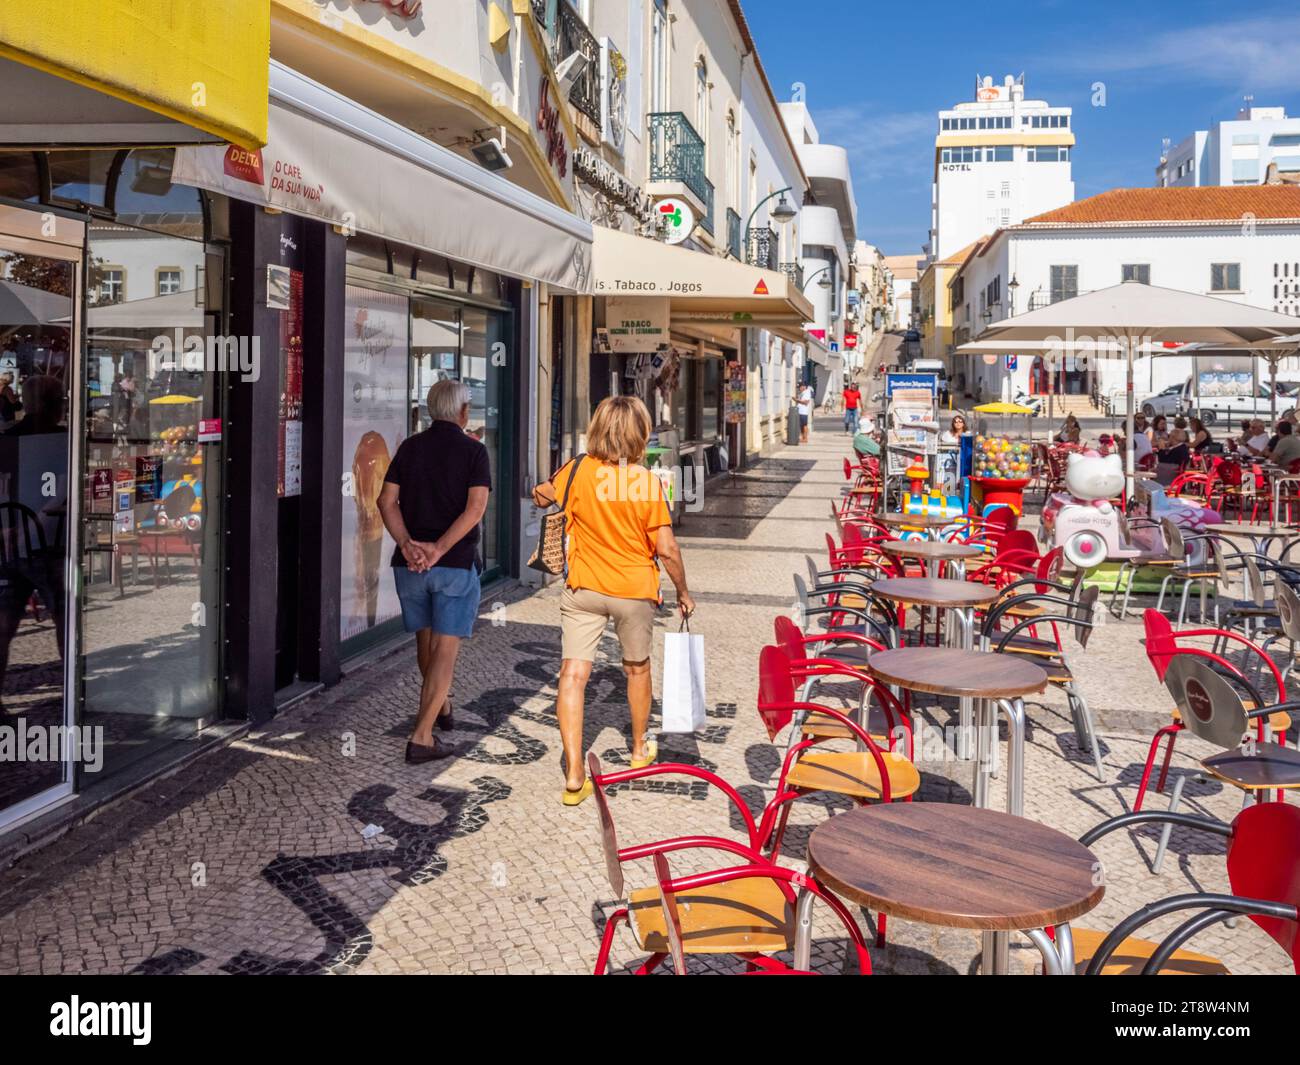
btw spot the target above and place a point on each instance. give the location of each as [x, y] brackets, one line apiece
[573, 472]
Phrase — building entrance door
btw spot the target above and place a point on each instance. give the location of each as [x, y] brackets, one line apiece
[40, 278]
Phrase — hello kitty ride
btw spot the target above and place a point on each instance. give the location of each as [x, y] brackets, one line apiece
[1082, 521]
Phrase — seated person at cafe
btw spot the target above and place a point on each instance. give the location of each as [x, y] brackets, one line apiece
[1287, 449]
[1257, 443]
[1175, 452]
[1201, 438]
[865, 444]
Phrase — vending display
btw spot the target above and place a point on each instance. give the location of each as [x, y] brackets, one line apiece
[1001, 468]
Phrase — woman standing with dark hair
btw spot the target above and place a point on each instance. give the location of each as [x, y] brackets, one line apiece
[618, 528]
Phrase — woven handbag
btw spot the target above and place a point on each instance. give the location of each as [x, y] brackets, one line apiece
[549, 555]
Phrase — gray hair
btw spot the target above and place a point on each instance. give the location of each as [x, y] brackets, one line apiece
[447, 399]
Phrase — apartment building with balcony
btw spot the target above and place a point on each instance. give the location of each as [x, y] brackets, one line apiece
[828, 233]
[1193, 239]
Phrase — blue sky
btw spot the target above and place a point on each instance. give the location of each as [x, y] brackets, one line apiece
[877, 74]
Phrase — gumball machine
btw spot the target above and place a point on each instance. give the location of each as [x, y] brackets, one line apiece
[1000, 471]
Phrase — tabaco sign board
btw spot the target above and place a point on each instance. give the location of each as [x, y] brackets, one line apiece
[636, 324]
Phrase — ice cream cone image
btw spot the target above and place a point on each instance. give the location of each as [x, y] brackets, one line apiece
[369, 465]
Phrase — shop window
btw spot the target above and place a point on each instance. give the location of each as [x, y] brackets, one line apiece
[143, 195]
[81, 178]
[20, 177]
[108, 283]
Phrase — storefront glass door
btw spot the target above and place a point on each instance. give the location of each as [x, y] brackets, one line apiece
[38, 331]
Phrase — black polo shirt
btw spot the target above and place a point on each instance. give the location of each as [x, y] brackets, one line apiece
[435, 470]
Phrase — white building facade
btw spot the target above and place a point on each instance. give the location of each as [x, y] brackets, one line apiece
[998, 160]
[1139, 235]
[1234, 152]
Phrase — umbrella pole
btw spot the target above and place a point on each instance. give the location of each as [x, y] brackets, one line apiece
[1128, 418]
[1272, 399]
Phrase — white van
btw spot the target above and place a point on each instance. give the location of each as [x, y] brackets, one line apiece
[934, 366]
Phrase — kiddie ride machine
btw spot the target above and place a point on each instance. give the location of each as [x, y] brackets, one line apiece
[921, 499]
[1091, 530]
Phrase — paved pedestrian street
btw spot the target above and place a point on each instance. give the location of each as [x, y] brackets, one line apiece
[311, 847]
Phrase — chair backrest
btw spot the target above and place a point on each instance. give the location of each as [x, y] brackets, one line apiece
[1264, 863]
[788, 637]
[1255, 590]
[1018, 540]
[1160, 643]
[1229, 473]
[1082, 610]
[775, 690]
[21, 533]
[608, 838]
[801, 598]
[1049, 568]
[672, 918]
[1288, 608]
[1173, 538]
[1211, 706]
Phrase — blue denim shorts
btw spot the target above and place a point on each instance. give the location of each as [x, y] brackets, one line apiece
[443, 599]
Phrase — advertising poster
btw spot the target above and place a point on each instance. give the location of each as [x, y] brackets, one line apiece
[375, 366]
[736, 383]
[148, 478]
[289, 482]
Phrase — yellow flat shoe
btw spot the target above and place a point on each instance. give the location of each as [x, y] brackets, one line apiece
[574, 798]
[641, 763]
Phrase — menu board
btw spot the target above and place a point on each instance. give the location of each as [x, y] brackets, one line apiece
[736, 381]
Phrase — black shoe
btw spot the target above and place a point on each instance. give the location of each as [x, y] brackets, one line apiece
[445, 721]
[419, 753]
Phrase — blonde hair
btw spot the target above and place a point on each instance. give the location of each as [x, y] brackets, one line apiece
[619, 430]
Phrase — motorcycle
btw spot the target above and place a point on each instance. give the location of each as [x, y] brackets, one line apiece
[1034, 403]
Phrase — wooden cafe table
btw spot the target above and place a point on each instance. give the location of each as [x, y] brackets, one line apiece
[929, 523]
[984, 678]
[1258, 535]
[934, 553]
[958, 867]
[960, 598]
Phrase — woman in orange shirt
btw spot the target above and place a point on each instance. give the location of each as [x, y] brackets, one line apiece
[617, 526]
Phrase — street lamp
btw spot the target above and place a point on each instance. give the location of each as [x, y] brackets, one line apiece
[825, 282]
[1012, 285]
[783, 212]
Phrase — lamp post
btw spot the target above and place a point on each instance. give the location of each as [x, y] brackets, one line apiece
[783, 212]
[825, 282]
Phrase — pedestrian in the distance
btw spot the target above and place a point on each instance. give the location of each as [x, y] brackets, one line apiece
[852, 401]
[434, 496]
[618, 528]
[805, 411]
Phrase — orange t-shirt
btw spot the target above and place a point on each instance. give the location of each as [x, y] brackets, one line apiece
[613, 514]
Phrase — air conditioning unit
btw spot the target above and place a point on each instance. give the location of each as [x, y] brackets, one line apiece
[569, 71]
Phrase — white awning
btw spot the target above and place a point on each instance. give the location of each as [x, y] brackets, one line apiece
[328, 157]
[702, 289]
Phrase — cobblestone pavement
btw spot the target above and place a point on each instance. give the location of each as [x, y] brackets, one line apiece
[311, 847]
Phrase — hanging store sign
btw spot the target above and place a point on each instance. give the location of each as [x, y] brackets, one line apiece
[676, 219]
[637, 324]
[592, 170]
[548, 121]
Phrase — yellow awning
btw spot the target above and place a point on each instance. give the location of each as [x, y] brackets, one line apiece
[702, 288]
[201, 66]
[1003, 408]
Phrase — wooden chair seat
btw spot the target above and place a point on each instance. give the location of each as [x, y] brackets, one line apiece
[739, 917]
[853, 773]
[1265, 767]
[1132, 954]
[1025, 611]
[827, 728]
[1190, 574]
[1057, 671]
[1029, 645]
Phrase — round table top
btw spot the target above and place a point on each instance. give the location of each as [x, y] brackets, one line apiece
[929, 549]
[956, 866]
[920, 521]
[953, 671]
[935, 591]
[1228, 528]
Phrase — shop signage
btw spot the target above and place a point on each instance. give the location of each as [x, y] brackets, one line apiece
[209, 430]
[636, 324]
[910, 382]
[592, 170]
[736, 384]
[548, 121]
[1011, 362]
[243, 165]
[676, 219]
[850, 341]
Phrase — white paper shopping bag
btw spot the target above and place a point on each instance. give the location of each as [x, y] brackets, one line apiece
[682, 696]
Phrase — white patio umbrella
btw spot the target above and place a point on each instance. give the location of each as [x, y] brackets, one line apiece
[1130, 315]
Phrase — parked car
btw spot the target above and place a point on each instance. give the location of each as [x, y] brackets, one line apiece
[1248, 401]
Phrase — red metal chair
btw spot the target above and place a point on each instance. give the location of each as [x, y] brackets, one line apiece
[1162, 646]
[1263, 864]
[696, 922]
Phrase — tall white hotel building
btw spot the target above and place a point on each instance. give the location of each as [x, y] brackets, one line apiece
[997, 160]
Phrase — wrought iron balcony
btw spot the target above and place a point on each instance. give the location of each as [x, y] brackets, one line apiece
[677, 154]
[572, 35]
[541, 12]
[733, 234]
[794, 271]
[706, 220]
[762, 248]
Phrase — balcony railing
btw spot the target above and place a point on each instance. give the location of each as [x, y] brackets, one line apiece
[572, 35]
[733, 234]
[762, 248]
[794, 271]
[677, 153]
[706, 222]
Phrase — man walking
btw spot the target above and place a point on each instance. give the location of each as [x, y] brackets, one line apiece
[434, 497]
[805, 411]
[852, 401]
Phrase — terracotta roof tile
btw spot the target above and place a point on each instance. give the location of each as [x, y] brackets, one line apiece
[1208, 203]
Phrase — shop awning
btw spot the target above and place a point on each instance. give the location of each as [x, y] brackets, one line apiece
[702, 289]
[133, 72]
[327, 157]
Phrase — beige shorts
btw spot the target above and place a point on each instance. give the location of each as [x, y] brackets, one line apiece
[583, 614]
